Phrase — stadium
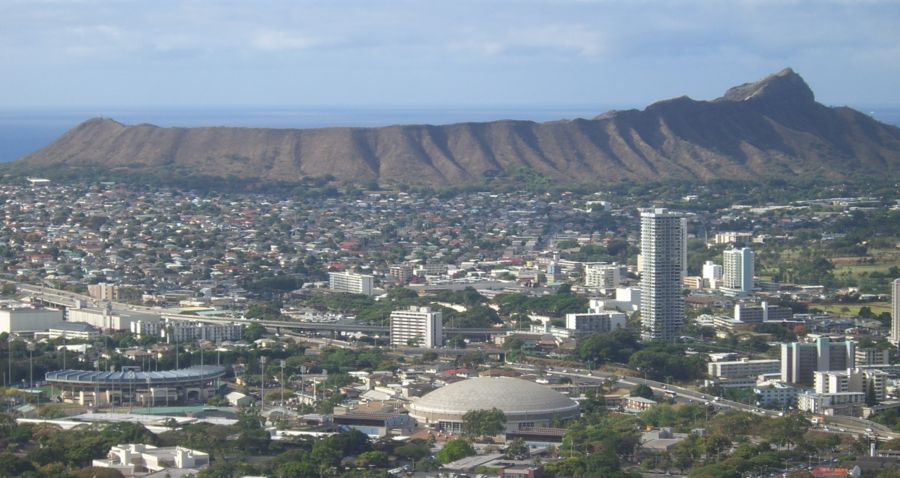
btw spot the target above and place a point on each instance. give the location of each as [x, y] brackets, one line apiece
[132, 387]
[525, 404]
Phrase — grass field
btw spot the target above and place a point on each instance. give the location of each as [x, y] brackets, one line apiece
[837, 308]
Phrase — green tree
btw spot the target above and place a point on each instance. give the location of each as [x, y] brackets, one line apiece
[454, 450]
[641, 390]
[483, 422]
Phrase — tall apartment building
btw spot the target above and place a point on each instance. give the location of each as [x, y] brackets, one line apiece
[737, 276]
[602, 276]
[895, 312]
[417, 324]
[350, 283]
[800, 360]
[663, 252]
[872, 356]
[712, 274]
[600, 321]
[401, 273]
[103, 291]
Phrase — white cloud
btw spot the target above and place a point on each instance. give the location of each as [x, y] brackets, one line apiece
[275, 40]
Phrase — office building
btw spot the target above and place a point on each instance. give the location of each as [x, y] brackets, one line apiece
[711, 274]
[757, 314]
[800, 360]
[26, 319]
[416, 325]
[350, 283]
[737, 275]
[663, 250]
[895, 312]
[595, 322]
[602, 276]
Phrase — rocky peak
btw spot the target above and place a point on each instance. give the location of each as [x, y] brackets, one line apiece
[784, 86]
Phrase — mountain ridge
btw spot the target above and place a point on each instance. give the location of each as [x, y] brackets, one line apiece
[769, 128]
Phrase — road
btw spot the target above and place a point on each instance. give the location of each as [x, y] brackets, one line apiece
[71, 299]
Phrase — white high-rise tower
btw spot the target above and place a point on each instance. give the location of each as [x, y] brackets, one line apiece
[663, 250]
[895, 312]
[738, 271]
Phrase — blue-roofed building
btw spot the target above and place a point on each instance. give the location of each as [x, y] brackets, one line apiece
[131, 386]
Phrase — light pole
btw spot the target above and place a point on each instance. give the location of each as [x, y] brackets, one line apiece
[282, 383]
[262, 385]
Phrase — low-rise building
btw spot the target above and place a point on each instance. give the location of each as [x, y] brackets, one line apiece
[844, 403]
[774, 393]
[136, 459]
[73, 331]
[743, 368]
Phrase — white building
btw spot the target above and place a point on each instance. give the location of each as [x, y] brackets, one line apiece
[628, 299]
[139, 459]
[775, 393]
[663, 251]
[602, 276]
[73, 331]
[595, 322]
[844, 403]
[895, 312]
[177, 331]
[712, 274]
[416, 324]
[743, 368]
[26, 319]
[737, 277]
[851, 380]
[350, 283]
[108, 319]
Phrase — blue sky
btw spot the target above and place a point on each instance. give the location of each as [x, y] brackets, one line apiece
[160, 53]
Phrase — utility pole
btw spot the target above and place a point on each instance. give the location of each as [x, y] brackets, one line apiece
[30, 366]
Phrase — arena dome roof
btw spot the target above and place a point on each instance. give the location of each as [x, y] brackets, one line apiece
[513, 396]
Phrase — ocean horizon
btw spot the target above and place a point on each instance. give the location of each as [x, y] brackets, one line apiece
[24, 131]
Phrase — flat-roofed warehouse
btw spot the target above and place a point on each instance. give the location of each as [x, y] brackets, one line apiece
[134, 387]
[526, 404]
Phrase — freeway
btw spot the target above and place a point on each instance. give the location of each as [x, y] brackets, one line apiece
[68, 299]
[850, 425]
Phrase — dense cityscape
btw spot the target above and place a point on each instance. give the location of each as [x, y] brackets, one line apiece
[715, 330]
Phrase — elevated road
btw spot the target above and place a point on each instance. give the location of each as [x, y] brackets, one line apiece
[66, 299]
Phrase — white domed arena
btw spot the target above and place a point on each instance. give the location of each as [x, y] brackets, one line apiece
[526, 404]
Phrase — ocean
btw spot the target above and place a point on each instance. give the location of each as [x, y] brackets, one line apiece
[25, 131]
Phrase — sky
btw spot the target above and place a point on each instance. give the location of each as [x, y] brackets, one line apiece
[58, 54]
